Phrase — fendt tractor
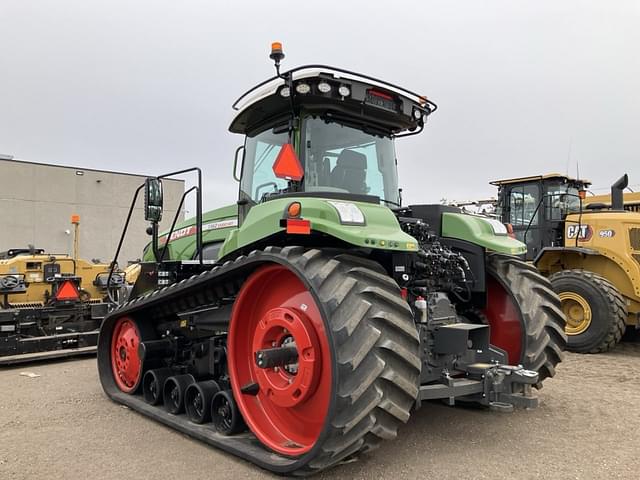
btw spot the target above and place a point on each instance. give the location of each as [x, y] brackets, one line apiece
[51, 306]
[302, 325]
[589, 250]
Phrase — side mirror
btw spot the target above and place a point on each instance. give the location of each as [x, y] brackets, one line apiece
[153, 200]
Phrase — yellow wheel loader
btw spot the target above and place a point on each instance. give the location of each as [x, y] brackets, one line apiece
[589, 249]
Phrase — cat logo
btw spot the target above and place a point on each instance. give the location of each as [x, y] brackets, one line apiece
[582, 232]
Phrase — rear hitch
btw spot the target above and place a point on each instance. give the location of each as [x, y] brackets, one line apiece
[508, 386]
[500, 387]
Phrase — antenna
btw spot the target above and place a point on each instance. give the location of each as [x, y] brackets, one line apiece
[569, 155]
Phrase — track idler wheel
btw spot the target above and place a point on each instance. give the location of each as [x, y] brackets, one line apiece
[197, 400]
[225, 414]
[173, 392]
[126, 363]
[152, 384]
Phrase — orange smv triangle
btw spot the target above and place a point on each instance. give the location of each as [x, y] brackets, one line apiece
[67, 291]
[287, 165]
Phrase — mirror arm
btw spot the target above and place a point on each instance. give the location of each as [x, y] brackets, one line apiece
[173, 225]
[198, 206]
[114, 262]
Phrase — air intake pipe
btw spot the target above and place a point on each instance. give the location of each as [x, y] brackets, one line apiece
[617, 201]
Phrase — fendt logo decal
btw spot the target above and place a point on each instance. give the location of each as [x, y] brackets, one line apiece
[582, 232]
[188, 231]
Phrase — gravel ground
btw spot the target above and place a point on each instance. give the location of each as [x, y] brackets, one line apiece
[60, 425]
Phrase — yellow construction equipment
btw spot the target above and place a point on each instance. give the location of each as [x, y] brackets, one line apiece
[52, 305]
[589, 247]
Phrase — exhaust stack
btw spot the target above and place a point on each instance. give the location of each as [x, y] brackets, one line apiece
[617, 201]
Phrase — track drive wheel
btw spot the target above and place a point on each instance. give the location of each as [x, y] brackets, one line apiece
[323, 356]
[524, 315]
[595, 310]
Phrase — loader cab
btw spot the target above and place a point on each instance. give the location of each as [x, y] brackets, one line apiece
[338, 129]
[536, 208]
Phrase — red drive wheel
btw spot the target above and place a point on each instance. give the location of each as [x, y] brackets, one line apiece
[524, 314]
[125, 361]
[279, 356]
[505, 320]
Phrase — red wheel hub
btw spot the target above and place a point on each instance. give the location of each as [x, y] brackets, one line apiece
[275, 310]
[505, 320]
[125, 361]
[289, 385]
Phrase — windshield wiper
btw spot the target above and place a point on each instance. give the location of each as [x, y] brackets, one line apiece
[390, 202]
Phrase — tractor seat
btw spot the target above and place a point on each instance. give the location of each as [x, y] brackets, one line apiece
[350, 172]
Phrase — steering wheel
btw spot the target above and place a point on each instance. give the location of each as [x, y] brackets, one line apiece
[9, 281]
[262, 185]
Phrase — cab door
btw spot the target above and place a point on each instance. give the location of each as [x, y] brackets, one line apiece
[523, 212]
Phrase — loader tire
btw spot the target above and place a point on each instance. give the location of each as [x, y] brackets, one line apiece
[524, 314]
[595, 310]
[373, 361]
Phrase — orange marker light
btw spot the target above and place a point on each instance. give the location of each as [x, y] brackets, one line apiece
[75, 219]
[276, 46]
[582, 194]
[294, 209]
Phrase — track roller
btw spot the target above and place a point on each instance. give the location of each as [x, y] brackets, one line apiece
[174, 390]
[197, 400]
[225, 414]
[152, 384]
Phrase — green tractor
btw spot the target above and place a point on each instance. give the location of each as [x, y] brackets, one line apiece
[302, 326]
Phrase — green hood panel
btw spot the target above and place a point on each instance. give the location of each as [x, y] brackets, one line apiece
[216, 226]
[381, 229]
[479, 230]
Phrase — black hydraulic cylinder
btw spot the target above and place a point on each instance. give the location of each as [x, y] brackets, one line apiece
[276, 357]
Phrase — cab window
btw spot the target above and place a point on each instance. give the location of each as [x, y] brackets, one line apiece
[261, 151]
[523, 202]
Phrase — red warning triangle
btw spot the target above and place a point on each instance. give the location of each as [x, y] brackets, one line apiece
[287, 164]
[67, 291]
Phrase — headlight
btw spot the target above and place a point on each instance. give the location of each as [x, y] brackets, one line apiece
[498, 227]
[285, 92]
[349, 213]
[303, 88]
[324, 87]
[344, 91]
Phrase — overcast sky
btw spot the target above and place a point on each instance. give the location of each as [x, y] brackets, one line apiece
[523, 87]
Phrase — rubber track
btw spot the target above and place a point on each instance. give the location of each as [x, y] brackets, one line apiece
[374, 338]
[618, 318]
[545, 339]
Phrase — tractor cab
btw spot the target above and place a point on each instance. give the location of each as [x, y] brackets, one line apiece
[326, 132]
[536, 207]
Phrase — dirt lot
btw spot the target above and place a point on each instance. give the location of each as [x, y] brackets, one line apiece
[60, 425]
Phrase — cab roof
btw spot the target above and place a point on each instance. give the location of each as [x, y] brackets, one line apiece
[536, 178]
[370, 103]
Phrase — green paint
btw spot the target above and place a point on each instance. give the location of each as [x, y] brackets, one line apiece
[478, 230]
[381, 231]
[184, 247]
